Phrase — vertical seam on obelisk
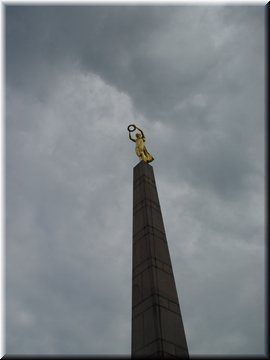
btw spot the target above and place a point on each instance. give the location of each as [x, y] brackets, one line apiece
[144, 222]
[154, 271]
[132, 294]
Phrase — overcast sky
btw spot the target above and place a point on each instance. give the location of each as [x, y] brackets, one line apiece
[192, 77]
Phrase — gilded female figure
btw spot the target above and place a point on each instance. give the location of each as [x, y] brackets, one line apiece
[140, 148]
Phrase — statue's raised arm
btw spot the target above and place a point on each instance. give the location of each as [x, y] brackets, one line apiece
[140, 148]
[129, 135]
[140, 131]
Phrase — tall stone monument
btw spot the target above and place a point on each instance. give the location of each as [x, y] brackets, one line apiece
[157, 326]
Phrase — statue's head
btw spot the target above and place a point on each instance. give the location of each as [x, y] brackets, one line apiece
[138, 135]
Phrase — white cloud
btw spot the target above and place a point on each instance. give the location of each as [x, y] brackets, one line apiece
[67, 214]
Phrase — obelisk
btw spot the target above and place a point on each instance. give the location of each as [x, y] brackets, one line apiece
[157, 326]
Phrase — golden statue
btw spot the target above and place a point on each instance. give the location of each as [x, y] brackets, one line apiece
[140, 148]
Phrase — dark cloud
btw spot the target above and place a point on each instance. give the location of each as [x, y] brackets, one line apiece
[76, 76]
[158, 55]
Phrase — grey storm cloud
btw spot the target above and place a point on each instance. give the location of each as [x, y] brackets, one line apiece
[193, 78]
[159, 55]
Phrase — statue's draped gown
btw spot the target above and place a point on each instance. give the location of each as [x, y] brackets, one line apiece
[141, 150]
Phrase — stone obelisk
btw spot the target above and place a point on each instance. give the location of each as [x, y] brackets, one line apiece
[157, 326]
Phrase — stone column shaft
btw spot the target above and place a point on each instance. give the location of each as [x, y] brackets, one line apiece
[157, 326]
